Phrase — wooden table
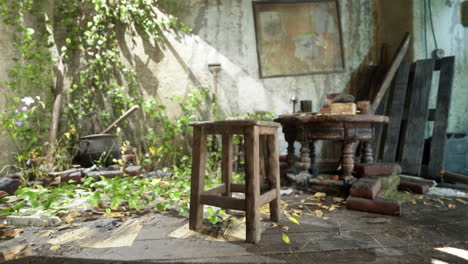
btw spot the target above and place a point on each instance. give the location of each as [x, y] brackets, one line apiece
[307, 128]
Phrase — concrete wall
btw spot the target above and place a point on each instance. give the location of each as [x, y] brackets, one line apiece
[223, 31]
[452, 37]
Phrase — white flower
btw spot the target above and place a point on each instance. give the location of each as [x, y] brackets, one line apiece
[28, 100]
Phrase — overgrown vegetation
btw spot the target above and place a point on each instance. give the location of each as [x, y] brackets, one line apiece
[102, 83]
[90, 36]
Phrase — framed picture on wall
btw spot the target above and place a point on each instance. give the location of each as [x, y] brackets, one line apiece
[298, 37]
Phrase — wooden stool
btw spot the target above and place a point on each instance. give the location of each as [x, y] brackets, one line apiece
[220, 196]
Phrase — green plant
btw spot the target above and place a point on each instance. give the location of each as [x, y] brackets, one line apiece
[215, 216]
[22, 122]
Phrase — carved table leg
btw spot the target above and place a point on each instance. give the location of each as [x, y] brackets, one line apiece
[347, 162]
[367, 156]
[313, 163]
[305, 157]
[290, 137]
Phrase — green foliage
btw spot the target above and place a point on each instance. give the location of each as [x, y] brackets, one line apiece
[40, 198]
[215, 216]
[93, 47]
[22, 122]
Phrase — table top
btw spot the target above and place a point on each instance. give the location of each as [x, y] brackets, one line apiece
[236, 123]
[305, 118]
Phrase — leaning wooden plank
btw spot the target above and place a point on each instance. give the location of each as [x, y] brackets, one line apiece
[380, 129]
[396, 112]
[417, 117]
[391, 72]
[444, 95]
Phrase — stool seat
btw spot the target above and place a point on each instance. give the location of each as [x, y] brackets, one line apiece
[220, 195]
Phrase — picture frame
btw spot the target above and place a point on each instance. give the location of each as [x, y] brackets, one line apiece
[298, 37]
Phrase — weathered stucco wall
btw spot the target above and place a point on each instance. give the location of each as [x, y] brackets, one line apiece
[7, 53]
[223, 31]
[452, 37]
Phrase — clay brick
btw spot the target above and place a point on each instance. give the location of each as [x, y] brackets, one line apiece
[9, 185]
[366, 188]
[106, 174]
[378, 206]
[129, 158]
[413, 187]
[377, 169]
[75, 176]
[343, 109]
[134, 170]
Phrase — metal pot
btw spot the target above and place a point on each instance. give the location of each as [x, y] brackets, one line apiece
[98, 148]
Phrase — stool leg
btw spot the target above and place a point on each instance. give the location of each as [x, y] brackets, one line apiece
[198, 177]
[226, 163]
[273, 176]
[252, 194]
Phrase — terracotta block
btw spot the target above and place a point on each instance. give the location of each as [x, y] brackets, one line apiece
[413, 187]
[377, 169]
[129, 158]
[106, 174]
[343, 109]
[134, 170]
[9, 185]
[129, 150]
[75, 176]
[366, 188]
[378, 206]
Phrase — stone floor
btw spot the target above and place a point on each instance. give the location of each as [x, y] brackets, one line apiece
[339, 236]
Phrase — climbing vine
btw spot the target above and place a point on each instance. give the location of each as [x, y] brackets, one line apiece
[90, 36]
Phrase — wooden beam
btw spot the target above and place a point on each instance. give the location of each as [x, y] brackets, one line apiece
[223, 202]
[397, 59]
[396, 113]
[417, 117]
[444, 95]
[220, 189]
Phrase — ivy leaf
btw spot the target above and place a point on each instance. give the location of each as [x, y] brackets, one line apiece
[213, 219]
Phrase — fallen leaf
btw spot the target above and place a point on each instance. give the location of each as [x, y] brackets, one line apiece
[45, 234]
[2, 226]
[338, 199]
[462, 201]
[333, 208]
[55, 247]
[297, 215]
[285, 238]
[452, 206]
[294, 220]
[265, 209]
[116, 214]
[3, 194]
[296, 211]
[318, 213]
[15, 252]
[325, 207]
[11, 233]
[320, 194]
[427, 203]
[300, 206]
[63, 227]
[317, 204]
[413, 201]
[90, 218]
